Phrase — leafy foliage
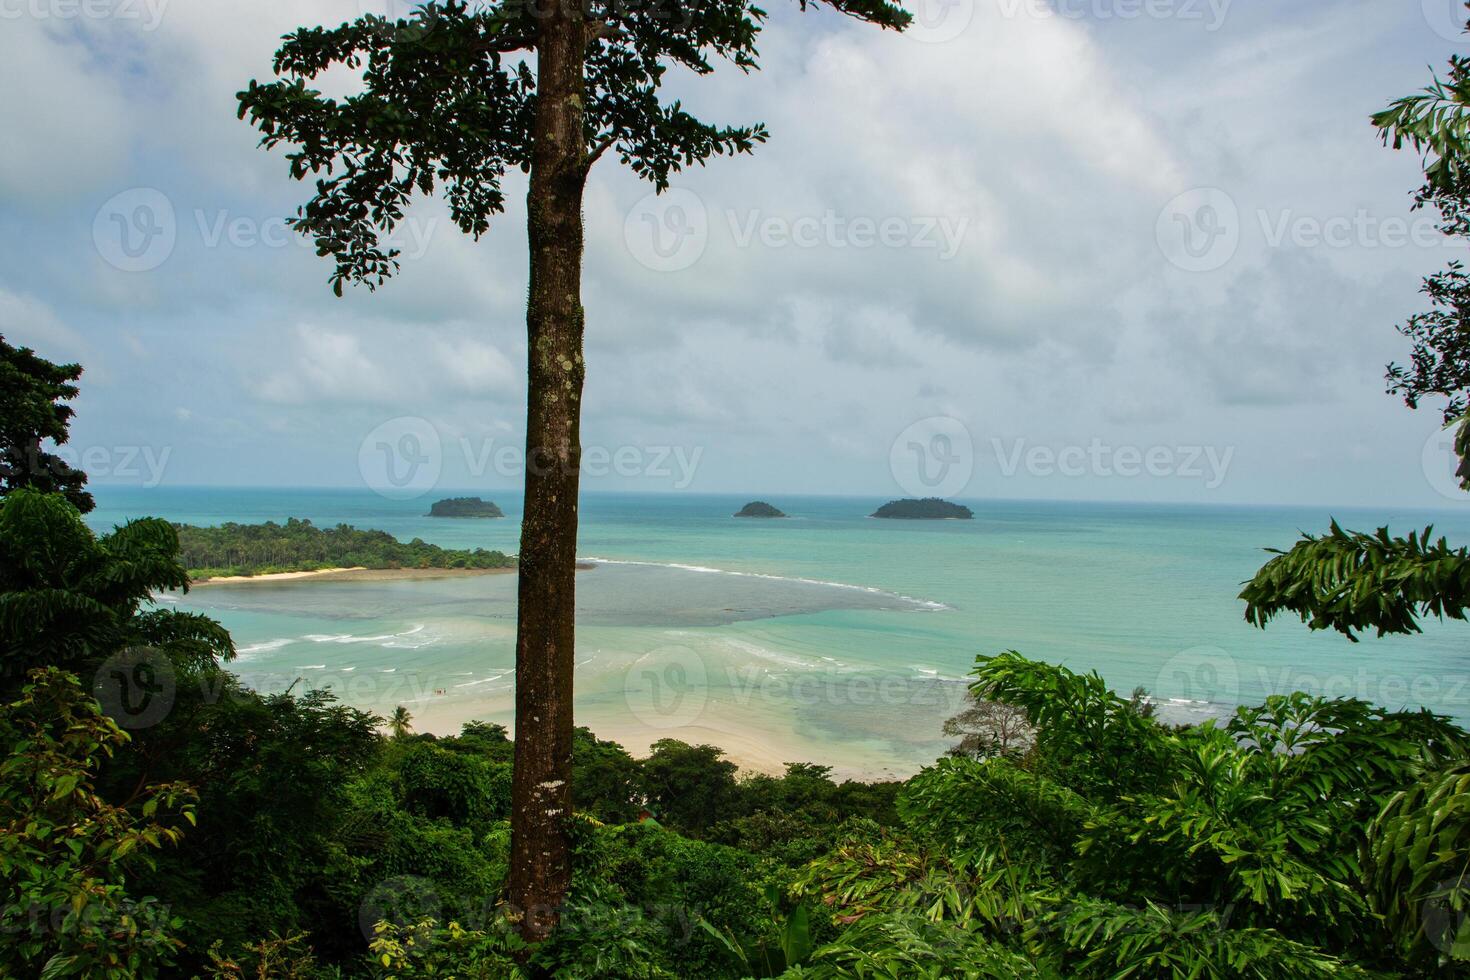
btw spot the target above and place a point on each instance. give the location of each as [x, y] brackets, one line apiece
[298, 545]
[1420, 855]
[1077, 717]
[69, 598]
[1350, 581]
[449, 97]
[1435, 122]
[65, 851]
[989, 728]
[32, 390]
[425, 949]
[1232, 849]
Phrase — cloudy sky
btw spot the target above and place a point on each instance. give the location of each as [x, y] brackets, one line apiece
[1094, 249]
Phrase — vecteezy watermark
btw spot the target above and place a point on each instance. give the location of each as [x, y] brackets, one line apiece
[667, 687]
[1387, 688]
[938, 21]
[840, 687]
[934, 457]
[364, 687]
[222, 229]
[1361, 229]
[146, 14]
[1201, 230]
[670, 232]
[142, 465]
[831, 230]
[395, 10]
[401, 900]
[1210, 14]
[675, 464]
[671, 688]
[1445, 916]
[138, 230]
[1200, 675]
[1446, 18]
[1209, 464]
[667, 232]
[403, 458]
[136, 687]
[146, 921]
[1439, 462]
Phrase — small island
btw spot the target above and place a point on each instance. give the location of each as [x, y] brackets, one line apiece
[298, 546]
[759, 508]
[464, 507]
[928, 509]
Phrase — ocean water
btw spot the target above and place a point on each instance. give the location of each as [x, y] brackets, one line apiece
[829, 636]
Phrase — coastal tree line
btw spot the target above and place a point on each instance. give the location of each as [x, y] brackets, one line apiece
[299, 545]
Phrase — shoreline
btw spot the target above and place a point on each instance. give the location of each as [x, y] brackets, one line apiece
[753, 749]
[354, 574]
[361, 573]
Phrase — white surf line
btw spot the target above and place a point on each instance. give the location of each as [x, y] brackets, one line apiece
[486, 680]
[706, 570]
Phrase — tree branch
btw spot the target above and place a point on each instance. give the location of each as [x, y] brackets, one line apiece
[601, 147]
[506, 43]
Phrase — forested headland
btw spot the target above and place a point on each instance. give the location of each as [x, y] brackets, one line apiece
[300, 546]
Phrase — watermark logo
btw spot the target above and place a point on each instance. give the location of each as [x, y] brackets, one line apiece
[667, 232]
[943, 234]
[146, 14]
[402, 901]
[938, 21]
[1202, 674]
[1439, 462]
[402, 458]
[1361, 229]
[667, 687]
[1446, 917]
[136, 231]
[670, 232]
[1208, 13]
[1208, 464]
[391, 9]
[1375, 685]
[1199, 230]
[934, 457]
[1446, 18]
[136, 687]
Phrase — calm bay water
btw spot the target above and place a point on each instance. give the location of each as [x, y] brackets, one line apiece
[827, 637]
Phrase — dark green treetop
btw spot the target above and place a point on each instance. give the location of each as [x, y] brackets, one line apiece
[32, 390]
[448, 101]
[759, 508]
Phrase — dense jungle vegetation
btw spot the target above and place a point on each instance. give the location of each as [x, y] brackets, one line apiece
[300, 546]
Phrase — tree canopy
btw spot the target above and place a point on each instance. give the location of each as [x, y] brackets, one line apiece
[32, 393]
[449, 98]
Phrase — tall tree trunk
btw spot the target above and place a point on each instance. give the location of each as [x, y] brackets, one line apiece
[541, 794]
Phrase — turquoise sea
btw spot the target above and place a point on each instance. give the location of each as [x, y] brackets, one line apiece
[828, 637]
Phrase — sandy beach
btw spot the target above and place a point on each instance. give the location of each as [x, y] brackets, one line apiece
[446, 653]
[358, 574]
[361, 574]
[750, 745]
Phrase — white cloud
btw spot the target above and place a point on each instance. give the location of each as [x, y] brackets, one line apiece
[1048, 145]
